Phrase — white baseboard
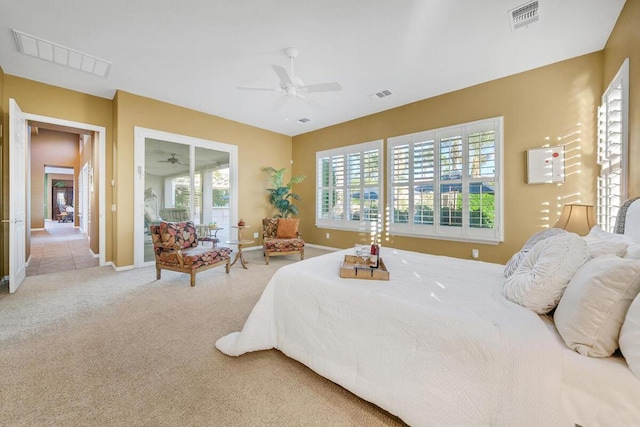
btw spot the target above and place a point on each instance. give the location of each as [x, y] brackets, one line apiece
[327, 248]
[125, 268]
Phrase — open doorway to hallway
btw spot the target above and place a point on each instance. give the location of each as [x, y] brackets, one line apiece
[59, 247]
[62, 215]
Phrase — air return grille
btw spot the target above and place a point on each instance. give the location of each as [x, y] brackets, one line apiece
[61, 55]
[524, 15]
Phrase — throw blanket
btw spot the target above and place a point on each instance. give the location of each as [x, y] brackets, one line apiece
[436, 345]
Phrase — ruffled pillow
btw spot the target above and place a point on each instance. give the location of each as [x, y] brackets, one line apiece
[545, 271]
[517, 258]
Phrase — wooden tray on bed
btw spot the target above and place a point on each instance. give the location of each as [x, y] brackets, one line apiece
[349, 270]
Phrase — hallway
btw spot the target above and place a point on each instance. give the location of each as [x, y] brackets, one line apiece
[60, 247]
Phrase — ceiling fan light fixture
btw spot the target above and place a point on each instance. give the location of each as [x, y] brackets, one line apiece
[292, 86]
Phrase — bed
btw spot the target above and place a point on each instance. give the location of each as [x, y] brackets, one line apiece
[438, 344]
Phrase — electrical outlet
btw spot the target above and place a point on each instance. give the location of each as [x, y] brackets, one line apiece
[255, 235]
[475, 253]
[327, 235]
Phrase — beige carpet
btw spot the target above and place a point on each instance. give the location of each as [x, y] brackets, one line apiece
[96, 347]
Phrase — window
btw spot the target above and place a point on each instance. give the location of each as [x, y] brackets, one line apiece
[349, 186]
[613, 118]
[446, 183]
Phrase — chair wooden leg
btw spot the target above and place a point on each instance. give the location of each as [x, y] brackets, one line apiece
[228, 265]
[266, 257]
[301, 254]
[158, 273]
[193, 278]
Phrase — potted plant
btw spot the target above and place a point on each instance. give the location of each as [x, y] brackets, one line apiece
[280, 195]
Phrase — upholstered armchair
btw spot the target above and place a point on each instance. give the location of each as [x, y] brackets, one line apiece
[281, 237]
[176, 248]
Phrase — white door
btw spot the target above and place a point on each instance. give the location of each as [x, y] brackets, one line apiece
[17, 195]
[83, 189]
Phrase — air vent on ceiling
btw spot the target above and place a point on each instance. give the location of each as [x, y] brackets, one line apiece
[524, 15]
[383, 93]
[304, 120]
[61, 55]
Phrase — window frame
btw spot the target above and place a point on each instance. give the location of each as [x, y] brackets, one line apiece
[608, 198]
[362, 224]
[464, 232]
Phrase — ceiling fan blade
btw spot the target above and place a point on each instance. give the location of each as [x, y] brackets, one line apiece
[282, 74]
[256, 88]
[280, 102]
[322, 87]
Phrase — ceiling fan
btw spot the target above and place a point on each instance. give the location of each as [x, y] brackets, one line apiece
[173, 160]
[292, 86]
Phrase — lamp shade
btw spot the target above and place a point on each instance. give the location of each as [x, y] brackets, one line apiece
[578, 219]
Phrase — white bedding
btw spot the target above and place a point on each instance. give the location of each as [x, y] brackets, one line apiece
[597, 391]
[436, 345]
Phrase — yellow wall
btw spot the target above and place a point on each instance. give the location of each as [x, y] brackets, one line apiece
[256, 148]
[557, 102]
[624, 42]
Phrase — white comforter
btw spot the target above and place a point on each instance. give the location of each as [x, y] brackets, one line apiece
[437, 345]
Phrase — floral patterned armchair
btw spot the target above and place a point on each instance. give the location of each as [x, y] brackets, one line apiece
[281, 237]
[176, 248]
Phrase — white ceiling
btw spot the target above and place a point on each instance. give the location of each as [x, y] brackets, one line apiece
[194, 53]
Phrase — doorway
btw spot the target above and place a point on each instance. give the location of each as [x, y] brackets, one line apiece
[181, 178]
[22, 185]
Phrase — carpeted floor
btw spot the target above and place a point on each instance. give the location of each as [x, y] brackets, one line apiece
[97, 347]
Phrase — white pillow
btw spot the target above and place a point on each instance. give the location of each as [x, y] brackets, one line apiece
[545, 271]
[599, 245]
[590, 314]
[517, 258]
[630, 337]
[633, 247]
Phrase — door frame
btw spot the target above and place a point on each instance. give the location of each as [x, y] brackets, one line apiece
[141, 134]
[101, 132]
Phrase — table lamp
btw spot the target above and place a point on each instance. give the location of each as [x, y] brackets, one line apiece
[578, 219]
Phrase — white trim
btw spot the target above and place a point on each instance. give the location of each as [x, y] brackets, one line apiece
[102, 135]
[140, 135]
[463, 233]
[125, 268]
[360, 225]
[328, 248]
[611, 166]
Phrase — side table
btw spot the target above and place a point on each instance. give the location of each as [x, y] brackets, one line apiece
[240, 242]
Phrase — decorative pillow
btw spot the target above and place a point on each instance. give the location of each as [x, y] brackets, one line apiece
[545, 271]
[633, 247]
[593, 307]
[182, 234]
[630, 337]
[599, 245]
[287, 228]
[517, 258]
